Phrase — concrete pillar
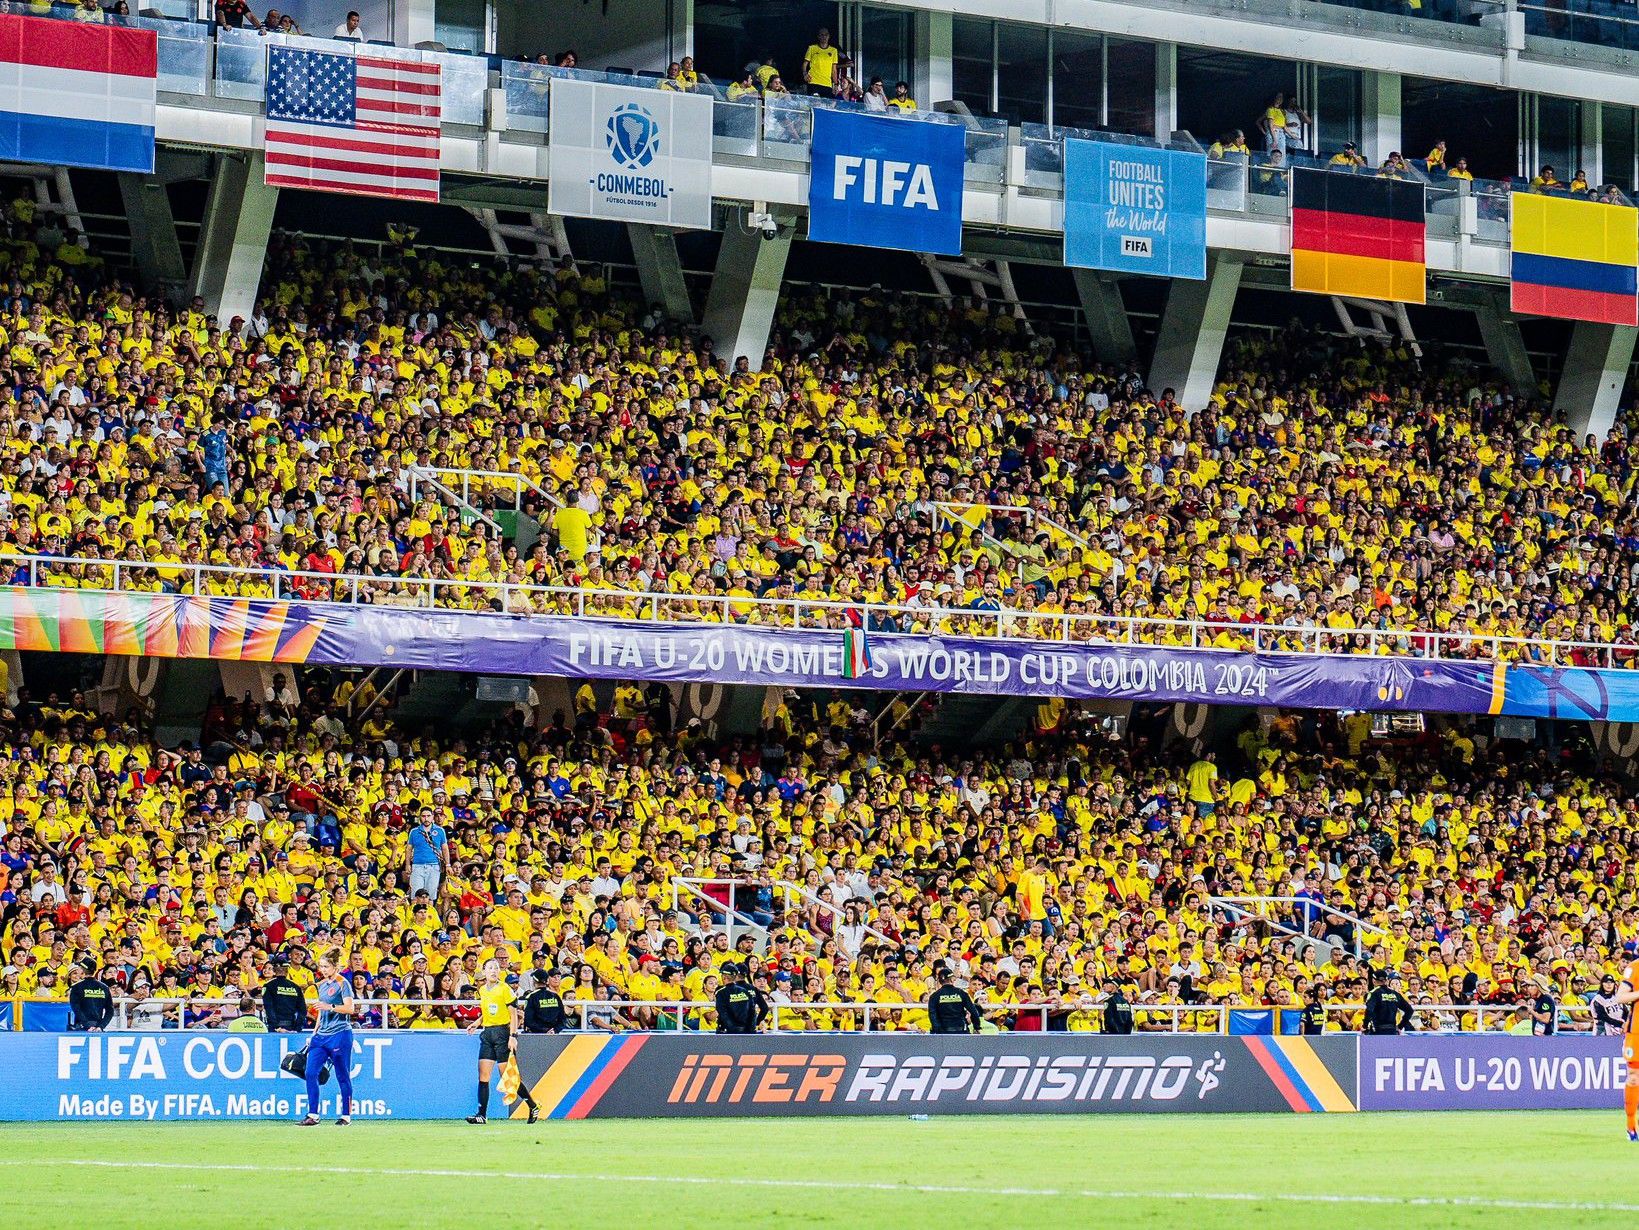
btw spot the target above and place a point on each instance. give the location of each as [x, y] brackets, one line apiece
[931, 80]
[155, 249]
[679, 29]
[1107, 323]
[233, 237]
[1191, 338]
[745, 289]
[660, 271]
[413, 22]
[1166, 91]
[1596, 370]
[1505, 345]
[1380, 113]
[1590, 149]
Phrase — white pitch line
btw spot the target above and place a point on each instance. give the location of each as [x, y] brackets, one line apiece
[846, 1185]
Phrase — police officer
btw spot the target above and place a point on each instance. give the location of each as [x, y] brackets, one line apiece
[1118, 1013]
[543, 1007]
[1387, 1011]
[950, 1008]
[1544, 1009]
[1314, 1013]
[90, 1001]
[740, 1006]
[284, 1007]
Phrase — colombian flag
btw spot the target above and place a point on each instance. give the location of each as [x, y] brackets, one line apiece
[1575, 259]
[1358, 235]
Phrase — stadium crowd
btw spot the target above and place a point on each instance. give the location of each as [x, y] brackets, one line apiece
[1330, 485]
[1049, 873]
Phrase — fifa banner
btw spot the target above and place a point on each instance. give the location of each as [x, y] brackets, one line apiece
[1491, 1072]
[883, 181]
[224, 1075]
[647, 1076]
[629, 154]
[1573, 259]
[335, 634]
[1134, 209]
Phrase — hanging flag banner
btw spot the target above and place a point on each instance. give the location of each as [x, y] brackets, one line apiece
[629, 154]
[77, 94]
[1134, 209]
[1574, 259]
[1358, 235]
[886, 182]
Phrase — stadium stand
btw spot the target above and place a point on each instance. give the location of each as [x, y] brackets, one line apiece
[946, 468]
[1480, 872]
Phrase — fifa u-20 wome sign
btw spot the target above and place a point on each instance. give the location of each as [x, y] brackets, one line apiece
[1134, 209]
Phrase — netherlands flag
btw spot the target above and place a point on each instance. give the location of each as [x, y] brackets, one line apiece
[77, 94]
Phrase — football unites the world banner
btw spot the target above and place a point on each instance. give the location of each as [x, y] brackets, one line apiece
[1134, 209]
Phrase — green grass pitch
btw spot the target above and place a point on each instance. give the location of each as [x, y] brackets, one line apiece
[1268, 1171]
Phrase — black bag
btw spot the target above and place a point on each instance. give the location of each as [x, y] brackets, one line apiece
[296, 1064]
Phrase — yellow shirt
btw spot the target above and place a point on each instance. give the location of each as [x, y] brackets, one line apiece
[496, 1002]
[819, 64]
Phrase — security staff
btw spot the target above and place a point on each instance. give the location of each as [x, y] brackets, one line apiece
[1314, 1013]
[1118, 1013]
[90, 1001]
[950, 1008]
[283, 1005]
[543, 1007]
[1387, 1011]
[740, 1006]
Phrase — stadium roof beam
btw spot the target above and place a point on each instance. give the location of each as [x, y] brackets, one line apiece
[1106, 314]
[1191, 338]
[156, 249]
[660, 270]
[745, 286]
[233, 237]
[1596, 368]
[1504, 343]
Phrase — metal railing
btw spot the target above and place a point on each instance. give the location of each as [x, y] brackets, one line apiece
[1295, 917]
[416, 592]
[843, 1016]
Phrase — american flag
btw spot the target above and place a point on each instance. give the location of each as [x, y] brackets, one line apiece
[361, 124]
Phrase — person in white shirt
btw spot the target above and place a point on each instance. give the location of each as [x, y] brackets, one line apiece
[351, 29]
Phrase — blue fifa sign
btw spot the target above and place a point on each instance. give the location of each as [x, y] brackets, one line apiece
[1134, 209]
[171, 1074]
[886, 182]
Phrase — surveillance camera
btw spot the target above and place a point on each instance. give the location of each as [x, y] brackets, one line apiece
[769, 228]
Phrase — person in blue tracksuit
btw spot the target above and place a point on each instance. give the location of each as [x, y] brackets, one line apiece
[332, 1040]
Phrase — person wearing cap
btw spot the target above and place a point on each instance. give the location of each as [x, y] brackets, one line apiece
[543, 1006]
[1387, 1010]
[1118, 1012]
[284, 1008]
[90, 999]
[950, 1008]
[740, 1006]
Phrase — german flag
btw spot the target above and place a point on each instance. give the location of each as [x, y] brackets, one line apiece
[1358, 235]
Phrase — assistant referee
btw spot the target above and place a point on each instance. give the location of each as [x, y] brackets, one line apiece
[498, 1018]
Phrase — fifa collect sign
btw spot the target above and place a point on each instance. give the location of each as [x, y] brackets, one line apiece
[629, 154]
[1134, 209]
[886, 182]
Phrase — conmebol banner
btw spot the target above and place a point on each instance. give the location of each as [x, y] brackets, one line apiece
[630, 154]
[223, 1075]
[1134, 209]
[334, 634]
[886, 181]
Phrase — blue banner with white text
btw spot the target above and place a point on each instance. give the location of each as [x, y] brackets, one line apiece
[165, 1075]
[1134, 209]
[886, 182]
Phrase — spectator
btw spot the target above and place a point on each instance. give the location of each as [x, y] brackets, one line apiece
[876, 97]
[1579, 183]
[235, 15]
[1461, 171]
[674, 80]
[744, 87]
[568, 59]
[902, 100]
[1232, 143]
[845, 88]
[819, 65]
[1545, 180]
[1394, 166]
[1436, 159]
[350, 28]
[765, 71]
[1348, 156]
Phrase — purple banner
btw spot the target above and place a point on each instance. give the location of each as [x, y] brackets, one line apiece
[1491, 1072]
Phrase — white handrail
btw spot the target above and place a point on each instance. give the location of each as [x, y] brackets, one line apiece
[1010, 623]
